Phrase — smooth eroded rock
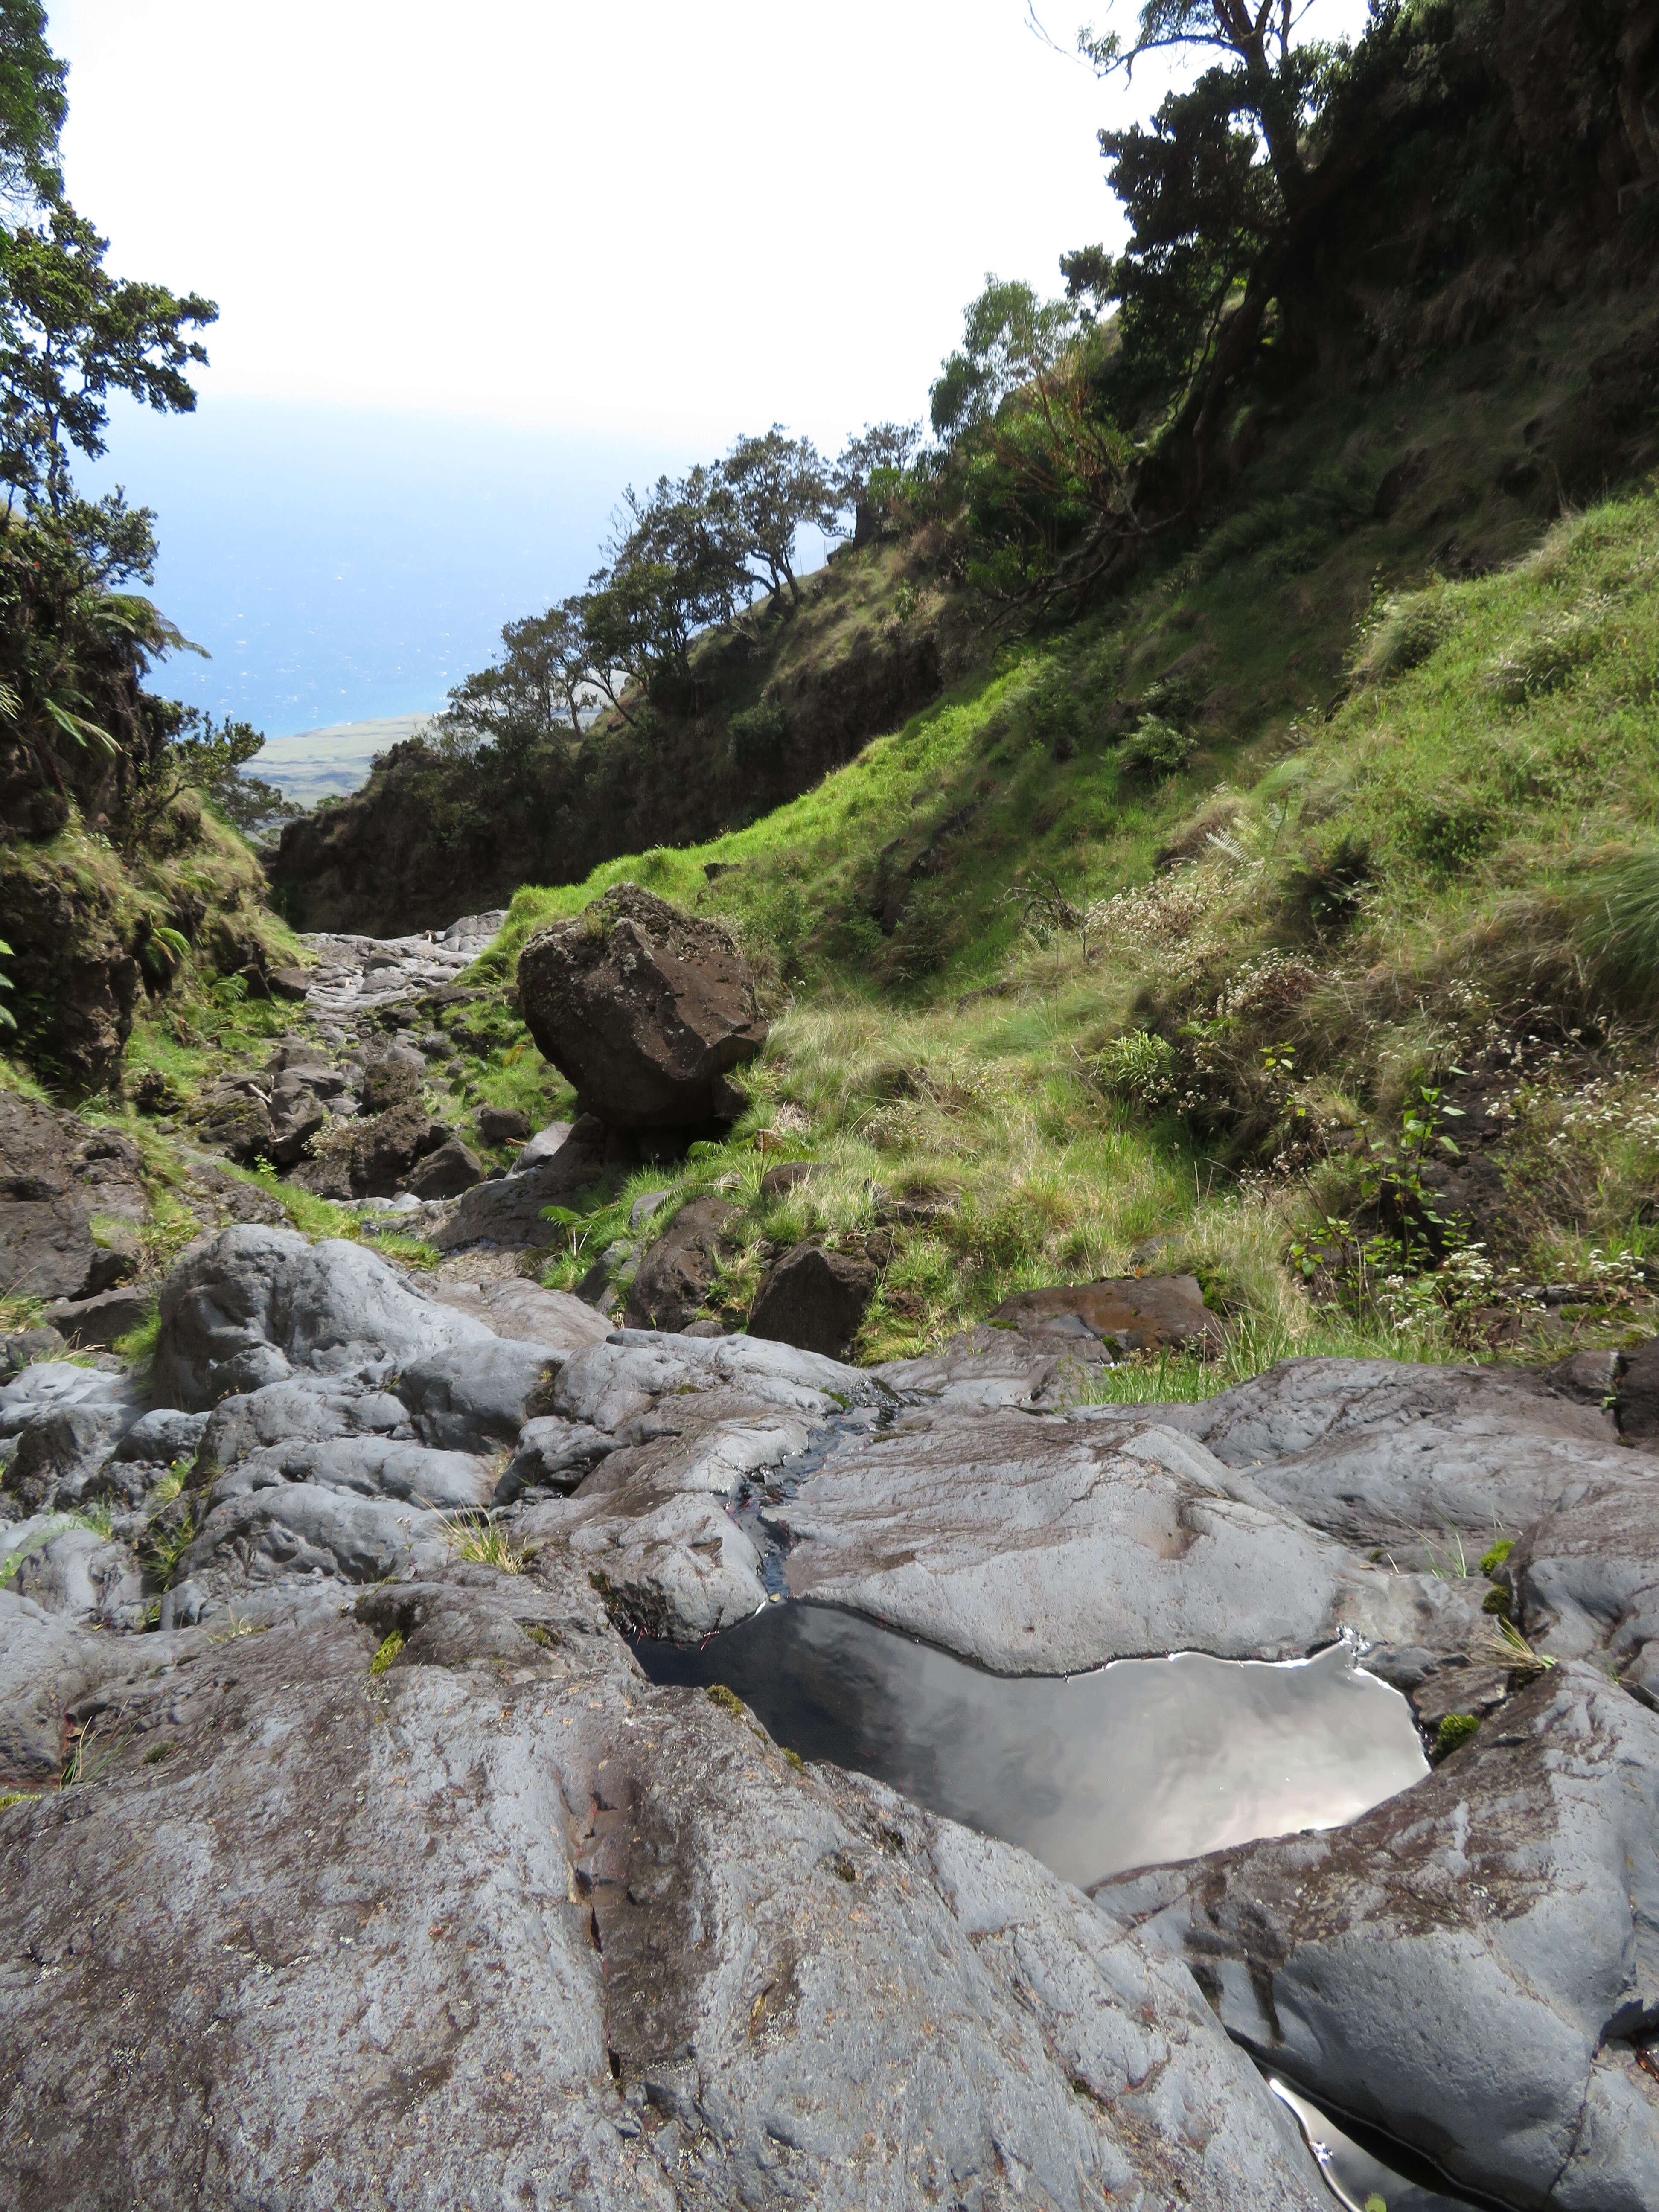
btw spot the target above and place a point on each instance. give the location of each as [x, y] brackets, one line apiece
[1472, 1965]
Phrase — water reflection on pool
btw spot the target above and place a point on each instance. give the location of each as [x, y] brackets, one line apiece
[1143, 1761]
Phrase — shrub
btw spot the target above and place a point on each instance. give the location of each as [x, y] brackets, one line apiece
[1139, 1065]
[1157, 749]
[1624, 926]
[1456, 1729]
[757, 734]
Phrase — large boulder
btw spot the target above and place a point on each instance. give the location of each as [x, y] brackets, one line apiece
[253, 1304]
[644, 1009]
[506, 1925]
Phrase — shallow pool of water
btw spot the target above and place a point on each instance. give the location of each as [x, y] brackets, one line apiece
[1143, 1761]
[1361, 2172]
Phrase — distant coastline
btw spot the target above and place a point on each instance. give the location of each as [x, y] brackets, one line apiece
[331, 763]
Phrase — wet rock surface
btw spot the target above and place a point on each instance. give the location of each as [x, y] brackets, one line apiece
[1474, 1965]
[394, 1877]
[645, 1009]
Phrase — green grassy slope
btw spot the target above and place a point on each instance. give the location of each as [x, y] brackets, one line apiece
[1220, 1061]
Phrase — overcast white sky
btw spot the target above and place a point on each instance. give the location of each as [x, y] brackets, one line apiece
[478, 264]
[602, 215]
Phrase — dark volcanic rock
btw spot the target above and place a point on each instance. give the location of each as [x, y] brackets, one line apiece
[90, 1322]
[1137, 1311]
[1472, 1966]
[55, 1175]
[815, 1299]
[644, 1009]
[447, 1172]
[673, 1278]
[502, 1125]
[385, 1147]
[236, 1122]
[1639, 1394]
[508, 1211]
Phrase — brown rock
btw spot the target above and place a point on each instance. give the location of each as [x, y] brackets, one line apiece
[390, 1081]
[55, 1175]
[814, 1300]
[644, 1009]
[386, 1146]
[785, 1177]
[1139, 1312]
[447, 1172]
[673, 1278]
[96, 1323]
[288, 983]
[502, 1125]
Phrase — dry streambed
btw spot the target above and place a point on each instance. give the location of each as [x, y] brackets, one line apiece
[387, 1873]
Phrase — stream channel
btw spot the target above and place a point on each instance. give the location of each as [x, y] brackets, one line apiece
[1138, 1762]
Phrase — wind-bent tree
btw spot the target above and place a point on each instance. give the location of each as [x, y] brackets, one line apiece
[1038, 458]
[541, 684]
[781, 485]
[1221, 189]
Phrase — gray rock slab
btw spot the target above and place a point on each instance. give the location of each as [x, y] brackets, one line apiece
[1469, 1965]
[62, 1450]
[1587, 1576]
[553, 1453]
[305, 1409]
[610, 1383]
[254, 1304]
[1037, 1546]
[291, 1529]
[999, 1367]
[163, 1436]
[535, 1934]
[369, 1466]
[77, 1571]
[52, 1385]
[46, 1663]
